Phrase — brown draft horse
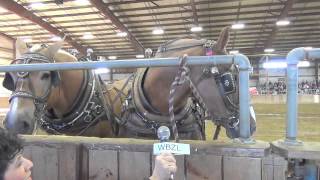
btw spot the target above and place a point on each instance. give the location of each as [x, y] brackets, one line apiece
[151, 88]
[68, 99]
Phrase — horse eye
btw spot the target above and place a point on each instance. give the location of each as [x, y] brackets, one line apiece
[45, 76]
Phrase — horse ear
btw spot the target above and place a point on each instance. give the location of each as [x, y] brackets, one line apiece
[53, 49]
[8, 82]
[21, 47]
[222, 42]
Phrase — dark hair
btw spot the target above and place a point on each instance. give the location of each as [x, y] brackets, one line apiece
[10, 146]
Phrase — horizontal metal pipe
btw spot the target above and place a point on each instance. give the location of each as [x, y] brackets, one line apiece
[241, 60]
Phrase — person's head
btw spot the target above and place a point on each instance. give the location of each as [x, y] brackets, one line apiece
[13, 166]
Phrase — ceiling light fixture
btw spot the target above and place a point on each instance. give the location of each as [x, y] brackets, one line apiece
[196, 29]
[157, 31]
[88, 35]
[112, 57]
[234, 52]
[282, 23]
[36, 5]
[238, 26]
[102, 71]
[122, 34]
[269, 50]
[139, 56]
[82, 2]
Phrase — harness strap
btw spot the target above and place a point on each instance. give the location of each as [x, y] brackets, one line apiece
[108, 109]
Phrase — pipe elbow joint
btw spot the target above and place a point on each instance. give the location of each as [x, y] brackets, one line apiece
[242, 61]
[296, 55]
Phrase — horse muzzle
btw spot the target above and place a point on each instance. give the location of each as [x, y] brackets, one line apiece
[20, 120]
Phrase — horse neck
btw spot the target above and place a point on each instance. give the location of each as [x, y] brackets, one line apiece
[64, 96]
[158, 82]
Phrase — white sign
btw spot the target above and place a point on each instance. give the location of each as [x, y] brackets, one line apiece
[174, 148]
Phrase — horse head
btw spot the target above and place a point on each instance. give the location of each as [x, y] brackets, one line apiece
[215, 85]
[30, 90]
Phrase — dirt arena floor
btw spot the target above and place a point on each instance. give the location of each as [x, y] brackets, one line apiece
[271, 122]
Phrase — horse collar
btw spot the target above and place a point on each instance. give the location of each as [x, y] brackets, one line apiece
[86, 112]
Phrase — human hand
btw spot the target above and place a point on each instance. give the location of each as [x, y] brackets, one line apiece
[165, 165]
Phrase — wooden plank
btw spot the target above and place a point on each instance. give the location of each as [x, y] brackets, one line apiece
[228, 148]
[180, 174]
[308, 150]
[45, 162]
[84, 160]
[69, 162]
[134, 165]
[267, 168]
[280, 166]
[241, 168]
[103, 165]
[206, 167]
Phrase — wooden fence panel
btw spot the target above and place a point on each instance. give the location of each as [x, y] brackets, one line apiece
[69, 162]
[103, 165]
[45, 162]
[204, 167]
[80, 158]
[134, 165]
[267, 168]
[241, 168]
[280, 167]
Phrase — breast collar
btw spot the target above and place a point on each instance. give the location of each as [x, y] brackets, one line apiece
[85, 112]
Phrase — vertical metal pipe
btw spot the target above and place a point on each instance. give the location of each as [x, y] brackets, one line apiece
[292, 104]
[244, 97]
[316, 71]
[244, 104]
